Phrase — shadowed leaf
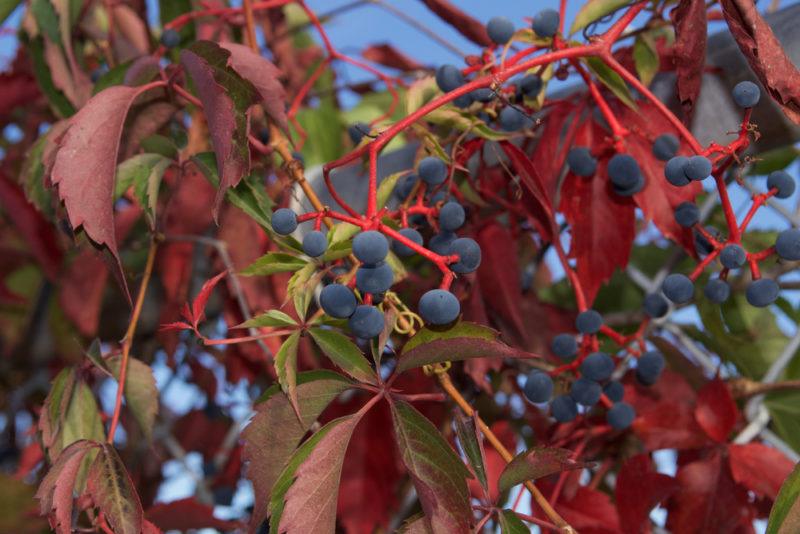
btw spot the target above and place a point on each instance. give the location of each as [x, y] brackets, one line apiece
[113, 493]
[510, 523]
[141, 393]
[537, 463]
[639, 489]
[689, 20]
[343, 353]
[716, 410]
[472, 444]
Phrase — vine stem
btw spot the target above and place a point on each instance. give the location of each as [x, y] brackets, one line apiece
[127, 341]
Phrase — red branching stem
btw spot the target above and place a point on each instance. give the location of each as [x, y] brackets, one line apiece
[755, 272]
[698, 270]
[617, 129]
[758, 201]
[734, 235]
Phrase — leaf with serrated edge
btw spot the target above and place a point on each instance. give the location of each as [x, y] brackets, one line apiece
[113, 493]
[141, 393]
[594, 10]
[274, 262]
[472, 445]
[343, 353]
[270, 318]
[536, 463]
[286, 368]
[144, 173]
[462, 329]
[301, 287]
[439, 475]
[275, 431]
[510, 523]
[785, 515]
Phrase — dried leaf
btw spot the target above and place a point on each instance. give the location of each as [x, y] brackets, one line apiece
[387, 55]
[467, 26]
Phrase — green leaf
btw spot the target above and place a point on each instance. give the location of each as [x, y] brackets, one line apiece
[274, 262]
[594, 10]
[510, 523]
[439, 476]
[784, 408]
[46, 19]
[7, 7]
[645, 57]
[301, 287]
[420, 93]
[95, 355]
[386, 188]
[462, 342]
[286, 368]
[143, 172]
[160, 144]
[270, 318]
[58, 102]
[785, 515]
[463, 121]
[337, 251]
[612, 80]
[344, 353]
[171, 9]
[471, 443]
[141, 393]
[773, 160]
[112, 491]
[536, 463]
[113, 76]
[32, 174]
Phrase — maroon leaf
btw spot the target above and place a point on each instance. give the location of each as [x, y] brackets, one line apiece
[551, 150]
[537, 463]
[759, 468]
[639, 489]
[186, 514]
[264, 76]
[499, 274]
[589, 511]
[537, 201]
[388, 56]
[716, 410]
[199, 304]
[689, 20]
[765, 54]
[472, 29]
[81, 291]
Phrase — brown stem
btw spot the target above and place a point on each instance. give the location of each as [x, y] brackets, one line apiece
[744, 388]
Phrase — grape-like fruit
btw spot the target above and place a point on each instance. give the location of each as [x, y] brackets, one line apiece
[405, 185]
[284, 221]
[170, 38]
[315, 243]
[403, 250]
[538, 387]
[649, 367]
[614, 390]
[783, 182]
[697, 168]
[545, 23]
[762, 292]
[665, 146]
[581, 162]
[338, 301]
[370, 247]
[483, 94]
[449, 77]
[374, 278]
[463, 101]
[432, 170]
[564, 346]
[511, 119]
[717, 291]
[655, 305]
[366, 322]
[530, 85]
[624, 171]
[620, 416]
[439, 307]
[788, 244]
[586, 392]
[588, 322]
[440, 243]
[469, 253]
[597, 366]
[357, 131]
[687, 214]
[732, 256]
[678, 288]
[673, 171]
[746, 94]
[563, 409]
[452, 216]
[500, 30]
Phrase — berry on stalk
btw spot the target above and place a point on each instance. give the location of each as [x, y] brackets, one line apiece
[697, 168]
[614, 390]
[452, 216]
[762, 292]
[597, 366]
[588, 322]
[673, 171]
[717, 291]
[563, 409]
[620, 416]
[678, 288]
[315, 243]
[402, 249]
[538, 387]
[564, 346]
[366, 322]
[370, 247]
[788, 244]
[746, 94]
[783, 182]
[432, 170]
[545, 23]
[500, 30]
[338, 301]
[469, 254]
[732, 256]
[586, 392]
[374, 278]
[649, 367]
[449, 77]
[655, 305]
[687, 214]
[581, 162]
[666, 146]
[439, 307]
[170, 38]
[284, 221]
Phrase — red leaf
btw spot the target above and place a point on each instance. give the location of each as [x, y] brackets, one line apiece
[716, 410]
[589, 512]
[82, 287]
[759, 468]
[467, 26]
[765, 54]
[186, 514]
[691, 32]
[551, 150]
[180, 325]
[31, 225]
[388, 56]
[537, 201]
[639, 489]
[199, 304]
[499, 274]
[707, 499]
[264, 76]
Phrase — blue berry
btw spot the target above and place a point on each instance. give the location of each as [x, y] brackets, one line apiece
[483, 94]
[449, 77]
[538, 387]
[469, 253]
[374, 278]
[366, 322]
[545, 23]
[564, 346]
[673, 171]
[629, 191]
[530, 85]
[623, 171]
[500, 30]
[788, 244]
[511, 119]
[762, 292]
[432, 170]
[338, 301]
[620, 416]
[284, 221]
[783, 182]
[170, 38]
[581, 162]
[452, 216]
[357, 131]
[439, 307]
[614, 390]
[697, 168]
[665, 147]
[440, 243]
[655, 305]
[402, 250]
[463, 101]
[586, 392]
[649, 367]
[588, 322]
[597, 366]
[678, 288]
[717, 291]
[370, 247]
[687, 214]
[563, 409]
[315, 243]
[732, 256]
[746, 94]
[405, 185]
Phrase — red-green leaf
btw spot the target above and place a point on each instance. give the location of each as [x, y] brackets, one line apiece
[113, 493]
[639, 489]
[343, 353]
[472, 444]
[141, 393]
[716, 410]
[275, 431]
[537, 463]
[759, 468]
[510, 523]
[286, 368]
[438, 474]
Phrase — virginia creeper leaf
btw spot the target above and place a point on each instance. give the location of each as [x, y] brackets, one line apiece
[611, 80]
[691, 33]
[143, 172]
[286, 368]
[510, 523]
[645, 57]
[472, 444]
[343, 353]
[113, 493]
[593, 10]
[785, 515]
[759, 468]
[269, 318]
[141, 393]
[187, 514]
[536, 463]
[274, 262]
[639, 489]
[716, 410]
